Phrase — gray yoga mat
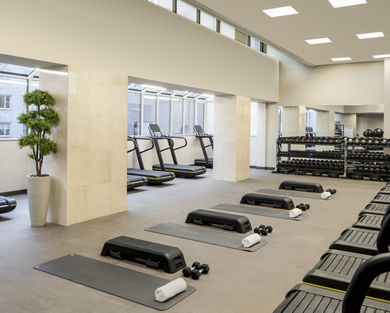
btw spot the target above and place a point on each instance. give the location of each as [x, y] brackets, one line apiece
[115, 280]
[212, 237]
[293, 193]
[270, 212]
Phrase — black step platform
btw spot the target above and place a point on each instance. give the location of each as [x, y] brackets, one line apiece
[336, 268]
[7, 204]
[375, 208]
[369, 221]
[238, 223]
[301, 186]
[381, 198]
[311, 299]
[268, 200]
[155, 255]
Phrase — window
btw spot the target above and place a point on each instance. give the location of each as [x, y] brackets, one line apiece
[208, 20]
[177, 116]
[164, 114]
[5, 129]
[166, 4]
[149, 112]
[189, 117]
[134, 114]
[254, 119]
[186, 10]
[200, 106]
[241, 37]
[227, 30]
[11, 105]
[255, 44]
[5, 101]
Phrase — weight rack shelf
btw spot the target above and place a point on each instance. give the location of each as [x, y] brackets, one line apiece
[356, 158]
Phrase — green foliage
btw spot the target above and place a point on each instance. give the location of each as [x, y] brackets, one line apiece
[40, 119]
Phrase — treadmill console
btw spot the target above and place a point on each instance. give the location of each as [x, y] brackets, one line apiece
[155, 130]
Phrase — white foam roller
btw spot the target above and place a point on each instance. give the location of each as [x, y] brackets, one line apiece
[251, 240]
[294, 212]
[170, 290]
[326, 195]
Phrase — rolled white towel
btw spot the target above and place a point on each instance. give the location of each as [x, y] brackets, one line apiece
[326, 195]
[294, 212]
[170, 290]
[251, 240]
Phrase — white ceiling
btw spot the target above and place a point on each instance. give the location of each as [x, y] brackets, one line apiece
[316, 19]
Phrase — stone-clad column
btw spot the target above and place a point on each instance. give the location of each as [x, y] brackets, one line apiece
[89, 170]
[232, 138]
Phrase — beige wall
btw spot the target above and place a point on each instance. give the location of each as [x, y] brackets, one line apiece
[15, 165]
[341, 84]
[387, 98]
[368, 121]
[139, 39]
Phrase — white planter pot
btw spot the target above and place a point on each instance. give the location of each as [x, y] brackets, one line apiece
[38, 191]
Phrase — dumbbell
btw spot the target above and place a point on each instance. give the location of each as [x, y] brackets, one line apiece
[202, 269]
[303, 206]
[332, 191]
[261, 231]
[188, 270]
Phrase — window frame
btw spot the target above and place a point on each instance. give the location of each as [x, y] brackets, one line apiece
[4, 128]
[172, 98]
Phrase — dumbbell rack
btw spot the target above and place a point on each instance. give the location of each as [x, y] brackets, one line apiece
[364, 164]
[370, 161]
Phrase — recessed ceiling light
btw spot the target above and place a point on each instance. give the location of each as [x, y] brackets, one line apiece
[346, 3]
[318, 41]
[381, 56]
[341, 59]
[370, 35]
[282, 11]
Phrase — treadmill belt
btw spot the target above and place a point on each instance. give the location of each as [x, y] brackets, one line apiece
[293, 193]
[277, 213]
[212, 237]
[115, 280]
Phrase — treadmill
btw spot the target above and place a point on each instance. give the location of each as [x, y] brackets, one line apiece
[135, 181]
[153, 177]
[7, 204]
[185, 171]
[200, 134]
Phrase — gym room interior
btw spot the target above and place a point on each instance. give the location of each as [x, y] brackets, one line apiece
[254, 136]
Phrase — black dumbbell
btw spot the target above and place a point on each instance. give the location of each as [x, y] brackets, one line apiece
[188, 270]
[303, 206]
[269, 228]
[261, 230]
[332, 191]
[203, 269]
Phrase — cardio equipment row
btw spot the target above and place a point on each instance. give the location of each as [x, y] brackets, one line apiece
[163, 171]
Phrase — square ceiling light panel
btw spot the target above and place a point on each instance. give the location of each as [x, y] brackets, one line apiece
[282, 11]
[346, 3]
[317, 41]
[341, 59]
[371, 35]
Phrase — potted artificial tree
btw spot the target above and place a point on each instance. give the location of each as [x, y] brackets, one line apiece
[40, 119]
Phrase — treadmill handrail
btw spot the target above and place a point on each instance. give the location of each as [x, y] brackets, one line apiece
[148, 139]
[134, 143]
[178, 137]
[362, 280]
